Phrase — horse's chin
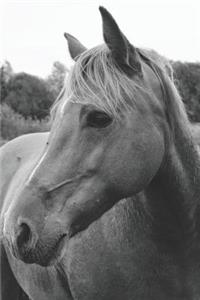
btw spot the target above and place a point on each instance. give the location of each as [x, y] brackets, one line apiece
[57, 252]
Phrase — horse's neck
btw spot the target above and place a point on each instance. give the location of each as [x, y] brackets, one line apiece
[174, 194]
[182, 168]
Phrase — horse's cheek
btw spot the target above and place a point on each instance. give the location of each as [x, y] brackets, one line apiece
[131, 168]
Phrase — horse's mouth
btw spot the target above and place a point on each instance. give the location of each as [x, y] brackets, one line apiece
[56, 253]
[58, 250]
[44, 255]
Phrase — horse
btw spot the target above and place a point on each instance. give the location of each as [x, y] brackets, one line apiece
[107, 204]
[196, 132]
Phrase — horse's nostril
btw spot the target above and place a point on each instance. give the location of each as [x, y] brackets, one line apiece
[24, 235]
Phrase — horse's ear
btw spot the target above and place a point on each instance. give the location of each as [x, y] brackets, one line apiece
[75, 47]
[123, 52]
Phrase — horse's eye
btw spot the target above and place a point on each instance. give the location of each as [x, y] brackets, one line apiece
[98, 119]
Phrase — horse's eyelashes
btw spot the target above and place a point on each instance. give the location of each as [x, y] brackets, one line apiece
[98, 119]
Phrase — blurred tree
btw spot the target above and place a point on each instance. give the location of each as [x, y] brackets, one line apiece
[6, 72]
[13, 124]
[187, 79]
[55, 80]
[29, 96]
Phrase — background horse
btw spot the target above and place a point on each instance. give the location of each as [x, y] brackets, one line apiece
[196, 132]
[105, 206]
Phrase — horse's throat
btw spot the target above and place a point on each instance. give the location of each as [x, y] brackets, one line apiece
[181, 173]
[174, 194]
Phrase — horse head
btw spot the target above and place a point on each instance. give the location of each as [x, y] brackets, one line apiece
[106, 143]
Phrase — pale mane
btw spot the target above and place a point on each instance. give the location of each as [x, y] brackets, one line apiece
[95, 79]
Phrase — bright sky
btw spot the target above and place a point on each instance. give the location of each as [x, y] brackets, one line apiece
[32, 30]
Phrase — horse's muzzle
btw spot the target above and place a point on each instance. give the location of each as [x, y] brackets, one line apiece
[25, 243]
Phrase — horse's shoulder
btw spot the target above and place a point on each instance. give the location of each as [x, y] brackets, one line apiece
[17, 153]
[22, 145]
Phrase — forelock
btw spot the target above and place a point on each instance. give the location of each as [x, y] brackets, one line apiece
[96, 79]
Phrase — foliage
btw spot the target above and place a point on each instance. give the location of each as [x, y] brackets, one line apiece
[6, 72]
[187, 77]
[55, 81]
[14, 124]
[28, 95]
